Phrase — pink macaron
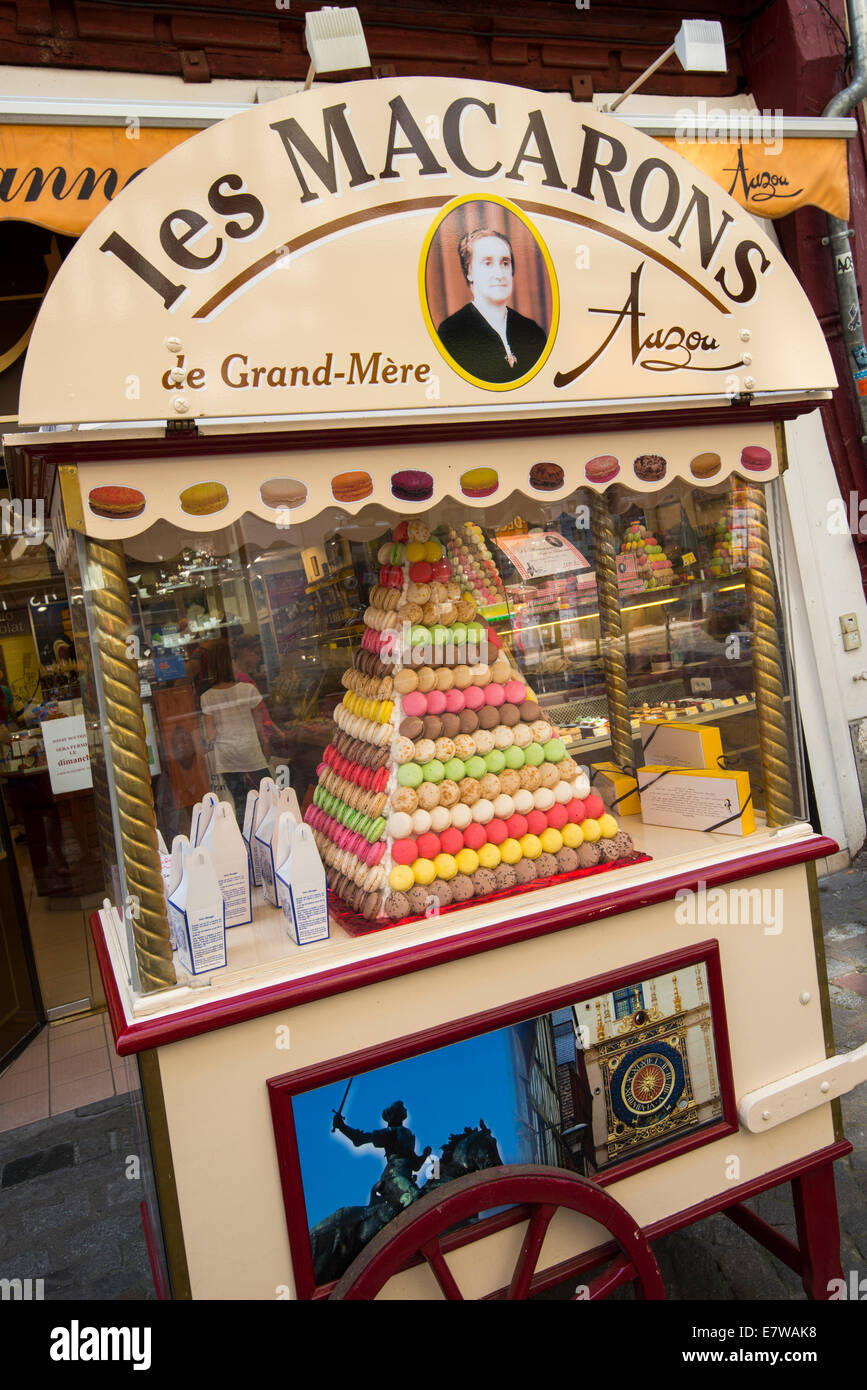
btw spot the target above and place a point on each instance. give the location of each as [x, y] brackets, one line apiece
[557, 817]
[515, 692]
[436, 701]
[475, 836]
[494, 694]
[497, 830]
[404, 852]
[474, 697]
[415, 703]
[375, 852]
[428, 846]
[451, 841]
[454, 700]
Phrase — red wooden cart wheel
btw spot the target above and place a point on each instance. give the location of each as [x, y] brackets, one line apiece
[418, 1230]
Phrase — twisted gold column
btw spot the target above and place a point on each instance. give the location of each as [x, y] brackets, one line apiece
[107, 582]
[768, 666]
[611, 627]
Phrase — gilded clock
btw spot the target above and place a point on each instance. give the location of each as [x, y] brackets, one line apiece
[647, 1083]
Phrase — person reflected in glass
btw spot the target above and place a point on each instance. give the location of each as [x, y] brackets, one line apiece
[489, 339]
[234, 721]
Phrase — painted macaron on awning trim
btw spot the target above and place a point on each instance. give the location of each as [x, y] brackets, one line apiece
[116, 502]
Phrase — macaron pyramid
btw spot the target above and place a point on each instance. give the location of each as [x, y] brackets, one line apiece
[473, 564]
[444, 782]
[653, 565]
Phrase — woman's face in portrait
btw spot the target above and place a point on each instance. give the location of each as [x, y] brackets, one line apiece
[490, 276]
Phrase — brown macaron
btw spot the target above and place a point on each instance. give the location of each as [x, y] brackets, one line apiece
[509, 715]
[469, 721]
[489, 717]
[451, 725]
[530, 711]
[371, 905]
[432, 726]
[411, 728]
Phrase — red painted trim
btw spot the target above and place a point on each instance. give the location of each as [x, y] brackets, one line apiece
[323, 984]
[161, 1288]
[282, 1089]
[116, 1014]
[193, 445]
[711, 1205]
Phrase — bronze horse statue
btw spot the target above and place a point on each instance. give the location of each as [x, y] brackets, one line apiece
[337, 1239]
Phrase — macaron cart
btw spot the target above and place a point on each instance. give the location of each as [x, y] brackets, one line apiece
[602, 1005]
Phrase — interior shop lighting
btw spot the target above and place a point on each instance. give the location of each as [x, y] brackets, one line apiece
[728, 588]
[335, 41]
[699, 46]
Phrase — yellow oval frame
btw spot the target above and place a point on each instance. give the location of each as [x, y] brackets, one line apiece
[422, 291]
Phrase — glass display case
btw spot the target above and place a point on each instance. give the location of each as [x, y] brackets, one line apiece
[609, 612]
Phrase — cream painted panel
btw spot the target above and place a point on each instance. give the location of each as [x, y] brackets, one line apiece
[162, 479]
[219, 1117]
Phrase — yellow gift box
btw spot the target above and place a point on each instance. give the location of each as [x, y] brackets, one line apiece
[679, 743]
[618, 789]
[697, 798]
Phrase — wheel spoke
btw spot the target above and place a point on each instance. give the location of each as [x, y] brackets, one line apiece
[530, 1249]
[443, 1275]
[620, 1272]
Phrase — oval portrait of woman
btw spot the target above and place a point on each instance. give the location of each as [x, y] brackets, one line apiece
[488, 292]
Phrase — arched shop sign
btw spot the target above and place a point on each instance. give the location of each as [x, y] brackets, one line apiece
[303, 259]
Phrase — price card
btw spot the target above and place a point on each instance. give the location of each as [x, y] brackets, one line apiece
[688, 558]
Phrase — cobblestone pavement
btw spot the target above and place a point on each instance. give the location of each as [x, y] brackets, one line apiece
[70, 1215]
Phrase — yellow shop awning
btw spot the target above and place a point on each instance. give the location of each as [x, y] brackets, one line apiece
[61, 176]
[773, 177]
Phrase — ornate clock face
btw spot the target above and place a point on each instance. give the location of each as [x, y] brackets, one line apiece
[647, 1083]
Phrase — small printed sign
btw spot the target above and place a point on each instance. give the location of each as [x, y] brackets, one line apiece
[540, 553]
[67, 754]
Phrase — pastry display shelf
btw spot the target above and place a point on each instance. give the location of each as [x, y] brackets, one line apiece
[266, 971]
[584, 745]
[646, 598]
